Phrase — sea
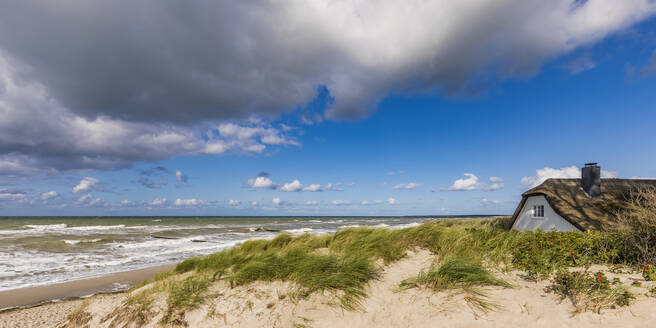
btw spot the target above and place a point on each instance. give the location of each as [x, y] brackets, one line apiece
[45, 250]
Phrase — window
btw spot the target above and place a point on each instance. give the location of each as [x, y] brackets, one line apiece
[538, 211]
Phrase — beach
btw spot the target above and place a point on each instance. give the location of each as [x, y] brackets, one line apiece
[271, 304]
[25, 297]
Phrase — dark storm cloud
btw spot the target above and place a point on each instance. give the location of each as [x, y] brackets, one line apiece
[185, 61]
[102, 84]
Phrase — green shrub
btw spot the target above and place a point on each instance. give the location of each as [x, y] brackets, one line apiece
[589, 292]
[649, 272]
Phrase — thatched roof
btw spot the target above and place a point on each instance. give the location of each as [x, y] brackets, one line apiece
[586, 213]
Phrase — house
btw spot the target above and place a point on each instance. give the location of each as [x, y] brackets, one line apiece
[588, 203]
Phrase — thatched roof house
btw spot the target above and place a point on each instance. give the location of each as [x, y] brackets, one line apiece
[582, 204]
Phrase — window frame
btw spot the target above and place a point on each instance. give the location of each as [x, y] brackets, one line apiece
[538, 211]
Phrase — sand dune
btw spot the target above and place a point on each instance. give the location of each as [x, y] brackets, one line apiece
[273, 305]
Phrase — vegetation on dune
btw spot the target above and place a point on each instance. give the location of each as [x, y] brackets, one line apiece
[78, 318]
[459, 274]
[456, 272]
[350, 260]
[588, 291]
[344, 262]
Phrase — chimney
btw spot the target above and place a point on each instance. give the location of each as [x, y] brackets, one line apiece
[591, 179]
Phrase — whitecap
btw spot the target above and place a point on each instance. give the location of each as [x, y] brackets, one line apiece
[299, 231]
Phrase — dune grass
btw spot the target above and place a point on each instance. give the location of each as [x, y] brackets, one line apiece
[461, 275]
[344, 262]
[454, 273]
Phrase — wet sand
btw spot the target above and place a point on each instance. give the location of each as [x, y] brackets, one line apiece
[78, 288]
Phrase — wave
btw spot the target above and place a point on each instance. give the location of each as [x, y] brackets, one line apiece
[298, 231]
[92, 228]
[349, 226]
[78, 241]
[408, 225]
[45, 227]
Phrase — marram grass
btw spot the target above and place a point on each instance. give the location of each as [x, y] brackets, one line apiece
[344, 262]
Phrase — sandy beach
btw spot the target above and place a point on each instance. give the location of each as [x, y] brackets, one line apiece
[271, 304]
[78, 288]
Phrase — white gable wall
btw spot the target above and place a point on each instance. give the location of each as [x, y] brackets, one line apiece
[550, 221]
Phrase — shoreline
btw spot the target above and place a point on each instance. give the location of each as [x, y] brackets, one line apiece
[105, 284]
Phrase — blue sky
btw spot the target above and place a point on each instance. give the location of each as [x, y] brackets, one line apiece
[412, 145]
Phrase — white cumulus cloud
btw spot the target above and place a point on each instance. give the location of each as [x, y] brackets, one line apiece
[234, 202]
[49, 195]
[86, 184]
[571, 172]
[313, 187]
[468, 183]
[392, 201]
[292, 186]
[261, 182]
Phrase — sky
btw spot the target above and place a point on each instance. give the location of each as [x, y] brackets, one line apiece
[319, 107]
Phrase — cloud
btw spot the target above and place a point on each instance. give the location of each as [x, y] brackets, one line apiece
[368, 203]
[253, 203]
[233, 202]
[338, 202]
[12, 195]
[154, 170]
[88, 200]
[276, 201]
[158, 202]
[424, 45]
[146, 182]
[571, 172]
[408, 186]
[292, 186]
[486, 201]
[313, 187]
[469, 183]
[312, 203]
[392, 201]
[49, 195]
[332, 187]
[261, 182]
[189, 202]
[649, 68]
[496, 179]
[495, 186]
[193, 62]
[182, 179]
[580, 64]
[40, 135]
[86, 184]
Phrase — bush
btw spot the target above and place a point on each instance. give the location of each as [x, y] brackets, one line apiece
[649, 272]
[541, 253]
[589, 291]
[637, 219]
